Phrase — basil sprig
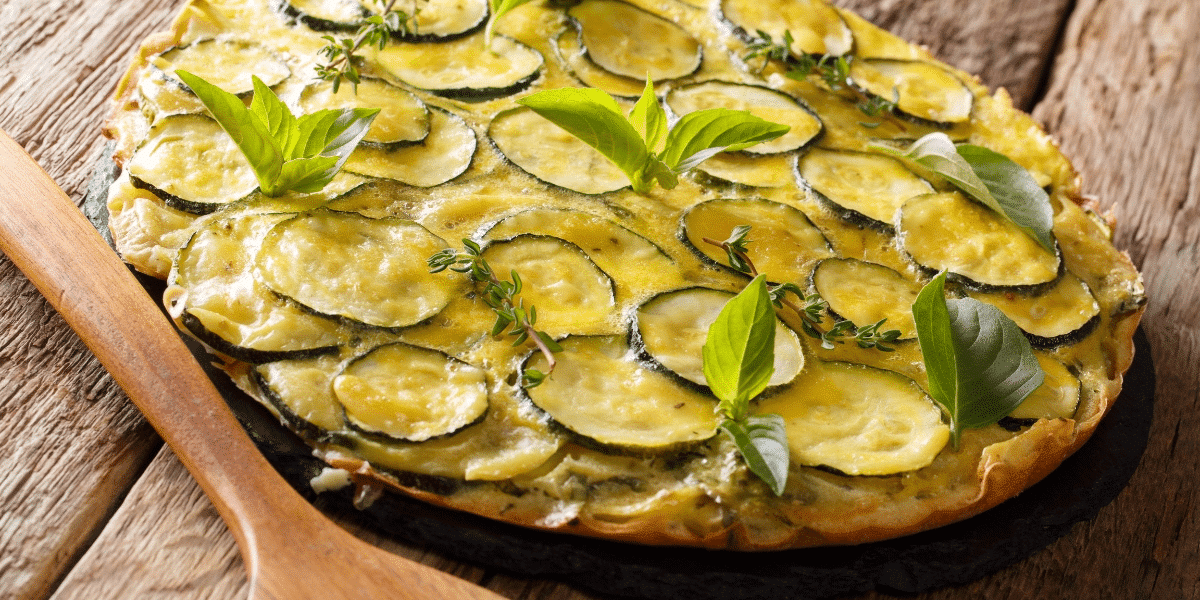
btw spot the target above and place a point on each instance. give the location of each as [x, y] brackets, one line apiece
[739, 358]
[287, 153]
[643, 145]
[989, 177]
[980, 365]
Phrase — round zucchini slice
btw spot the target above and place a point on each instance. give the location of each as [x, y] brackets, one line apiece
[442, 20]
[190, 163]
[783, 241]
[444, 154]
[671, 329]
[403, 118]
[224, 306]
[773, 171]
[861, 188]
[546, 151]
[369, 271]
[762, 102]
[410, 393]
[570, 52]
[1063, 314]
[571, 294]
[980, 248]
[464, 68]
[859, 420]
[1056, 398]
[600, 391]
[636, 264]
[926, 91]
[816, 27]
[325, 15]
[628, 41]
[300, 391]
[225, 63]
[864, 292]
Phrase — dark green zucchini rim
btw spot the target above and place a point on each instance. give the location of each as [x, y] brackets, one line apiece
[384, 145]
[975, 286]
[293, 15]
[474, 94]
[849, 215]
[495, 146]
[585, 53]
[809, 143]
[379, 436]
[246, 94]
[811, 285]
[612, 285]
[486, 229]
[246, 354]
[183, 204]
[747, 37]
[303, 428]
[938, 125]
[565, 64]
[1065, 339]
[467, 167]
[417, 36]
[681, 232]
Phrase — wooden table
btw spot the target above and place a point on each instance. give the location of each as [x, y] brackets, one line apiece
[92, 506]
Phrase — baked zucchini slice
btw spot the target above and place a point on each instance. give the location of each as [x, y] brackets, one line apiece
[324, 15]
[925, 91]
[546, 151]
[403, 118]
[404, 392]
[671, 328]
[571, 294]
[861, 188]
[628, 41]
[978, 247]
[772, 171]
[465, 68]
[601, 392]
[864, 293]
[191, 164]
[1063, 314]
[369, 271]
[442, 20]
[816, 27]
[1056, 398]
[763, 102]
[570, 53]
[213, 289]
[858, 420]
[299, 390]
[784, 243]
[444, 154]
[636, 264]
[225, 63]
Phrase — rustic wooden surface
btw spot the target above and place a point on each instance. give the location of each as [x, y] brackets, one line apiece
[92, 507]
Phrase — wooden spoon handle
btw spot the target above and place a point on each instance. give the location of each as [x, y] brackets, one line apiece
[291, 551]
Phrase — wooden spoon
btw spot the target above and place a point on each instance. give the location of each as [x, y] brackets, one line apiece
[291, 550]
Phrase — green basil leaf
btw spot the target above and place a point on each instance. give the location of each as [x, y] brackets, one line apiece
[248, 133]
[762, 441]
[649, 118]
[1023, 200]
[985, 368]
[305, 175]
[739, 353]
[990, 178]
[699, 135]
[276, 116]
[594, 117]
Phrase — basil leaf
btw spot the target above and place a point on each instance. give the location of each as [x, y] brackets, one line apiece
[594, 117]
[649, 118]
[701, 134]
[739, 353]
[274, 114]
[762, 441]
[979, 363]
[989, 177]
[1023, 200]
[249, 134]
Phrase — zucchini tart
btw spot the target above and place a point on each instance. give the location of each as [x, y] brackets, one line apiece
[322, 306]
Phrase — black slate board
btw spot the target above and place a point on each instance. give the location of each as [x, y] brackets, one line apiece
[952, 555]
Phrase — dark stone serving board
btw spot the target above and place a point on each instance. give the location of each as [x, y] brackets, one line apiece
[951, 555]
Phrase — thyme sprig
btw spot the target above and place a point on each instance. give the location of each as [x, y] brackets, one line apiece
[833, 71]
[342, 60]
[503, 297]
[809, 307]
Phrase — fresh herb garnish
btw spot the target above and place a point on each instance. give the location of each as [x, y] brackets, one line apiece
[643, 146]
[833, 71]
[499, 8]
[979, 364]
[813, 307]
[287, 153]
[739, 358]
[989, 177]
[341, 54]
[503, 297]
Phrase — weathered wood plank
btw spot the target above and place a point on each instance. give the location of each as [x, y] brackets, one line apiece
[73, 443]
